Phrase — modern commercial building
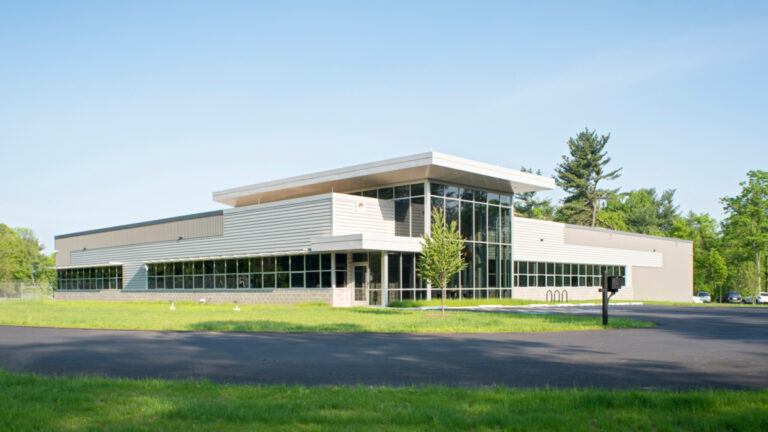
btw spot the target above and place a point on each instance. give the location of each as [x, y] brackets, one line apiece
[351, 236]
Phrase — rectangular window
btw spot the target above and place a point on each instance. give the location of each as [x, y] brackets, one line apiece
[467, 224]
[313, 262]
[481, 222]
[437, 189]
[451, 191]
[269, 265]
[407, 280]
[297, 280]
[417, 189]
[481, 270]
[313, 279]
[403, 218]
[451, 212]
[283, 265]
[417, 216]
[386, 193]
[297, 263]
[283, 280]
[393, 271]
[402, 191]
[493, 224]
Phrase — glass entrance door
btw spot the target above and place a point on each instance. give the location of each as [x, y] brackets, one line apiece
[361, 283]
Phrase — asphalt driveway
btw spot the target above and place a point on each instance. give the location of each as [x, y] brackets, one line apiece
[692, 347]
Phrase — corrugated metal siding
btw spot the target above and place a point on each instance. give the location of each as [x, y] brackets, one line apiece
[536, 240]
[191, 228]
[373, 217]
[274, 227]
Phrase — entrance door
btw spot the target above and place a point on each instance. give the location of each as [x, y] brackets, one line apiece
[361, 284]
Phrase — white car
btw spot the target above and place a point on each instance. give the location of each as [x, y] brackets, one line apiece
[697, 299]
[703, 296]
[762, 298]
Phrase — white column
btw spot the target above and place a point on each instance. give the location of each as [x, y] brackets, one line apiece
[384, 278]
[427, 224]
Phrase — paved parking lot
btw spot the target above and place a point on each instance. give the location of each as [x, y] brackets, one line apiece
[692, 347]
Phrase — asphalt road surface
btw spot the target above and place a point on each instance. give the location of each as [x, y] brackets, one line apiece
[692, 347]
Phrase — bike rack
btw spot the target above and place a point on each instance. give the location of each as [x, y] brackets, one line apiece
[556, 296]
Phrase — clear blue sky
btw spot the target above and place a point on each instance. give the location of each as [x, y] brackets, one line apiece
[113, 113]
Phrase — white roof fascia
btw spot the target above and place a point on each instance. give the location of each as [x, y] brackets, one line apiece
[523, 181]
[365, 242]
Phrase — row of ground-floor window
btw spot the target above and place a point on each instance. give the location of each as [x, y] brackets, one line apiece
[360, 271]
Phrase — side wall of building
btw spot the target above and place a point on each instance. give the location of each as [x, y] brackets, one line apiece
[274, 227]
[672, 281]
[190, 227]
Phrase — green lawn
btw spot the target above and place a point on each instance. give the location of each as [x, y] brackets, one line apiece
[478, 302]
[310, 317]
[52, 404]
[521, 302]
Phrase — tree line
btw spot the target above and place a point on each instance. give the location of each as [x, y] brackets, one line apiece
[728, 256]
[21, 257]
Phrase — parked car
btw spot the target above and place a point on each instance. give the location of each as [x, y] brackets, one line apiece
[762, 298]
[704, 296]
[732, 297]
[748, 300]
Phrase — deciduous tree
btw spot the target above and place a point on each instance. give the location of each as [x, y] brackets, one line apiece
[441, 254]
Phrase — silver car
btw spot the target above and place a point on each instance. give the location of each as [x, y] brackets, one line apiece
[704, 296]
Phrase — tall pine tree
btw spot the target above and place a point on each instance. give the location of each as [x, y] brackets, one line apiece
[580, 174]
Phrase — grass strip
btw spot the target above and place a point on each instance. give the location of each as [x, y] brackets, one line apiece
[521, 302]
[38, 403]
[301, 318]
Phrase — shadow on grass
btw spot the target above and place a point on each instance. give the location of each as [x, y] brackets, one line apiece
[272, 326]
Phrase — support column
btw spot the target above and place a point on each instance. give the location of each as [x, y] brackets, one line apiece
[384, 278]
[427, 225]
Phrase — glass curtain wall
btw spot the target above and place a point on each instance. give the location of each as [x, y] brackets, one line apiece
[484, 219]
[403, 281]
[90, 278]
[285, 271]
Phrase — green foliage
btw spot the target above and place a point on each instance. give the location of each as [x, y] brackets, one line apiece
[641, 211]
[21, 259]
[529, 206]
[580, 174]
[747, 220]
[441, 253]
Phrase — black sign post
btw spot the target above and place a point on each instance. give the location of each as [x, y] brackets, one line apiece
[610, 284]
[605, 298]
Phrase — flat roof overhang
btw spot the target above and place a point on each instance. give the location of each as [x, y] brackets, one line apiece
[431, 165]
[371, 242]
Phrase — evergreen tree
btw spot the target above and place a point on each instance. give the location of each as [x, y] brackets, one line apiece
[529, 206]
[580, 174]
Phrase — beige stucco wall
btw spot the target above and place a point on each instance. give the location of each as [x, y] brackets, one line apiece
[673, 281]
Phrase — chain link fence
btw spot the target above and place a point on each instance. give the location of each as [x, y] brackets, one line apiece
[21, 291]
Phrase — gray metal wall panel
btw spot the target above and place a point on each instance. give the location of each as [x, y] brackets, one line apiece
[271, 227]
[191, 228]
